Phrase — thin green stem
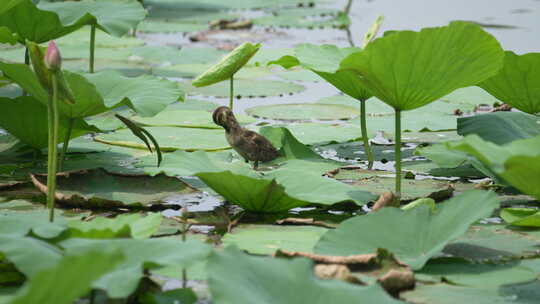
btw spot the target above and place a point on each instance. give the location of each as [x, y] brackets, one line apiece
[185, 229]
[27, 62]
[231, 92]
[92, 46]
[398, 155]
[52, 152]
[365, 136]
[66, 144]
[347, 8]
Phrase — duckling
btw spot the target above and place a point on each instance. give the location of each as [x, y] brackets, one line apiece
[250, 145]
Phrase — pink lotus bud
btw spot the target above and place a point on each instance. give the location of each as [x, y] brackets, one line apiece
[53, 61]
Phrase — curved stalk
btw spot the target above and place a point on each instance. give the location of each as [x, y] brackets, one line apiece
[231, 92]
[52, 152]
[66, 144]
[398, 155]
[365, 136]
[92, 46]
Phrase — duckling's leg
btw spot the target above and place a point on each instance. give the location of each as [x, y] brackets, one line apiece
[255, 165]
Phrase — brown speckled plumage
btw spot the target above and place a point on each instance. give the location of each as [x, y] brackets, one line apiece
[250, 145]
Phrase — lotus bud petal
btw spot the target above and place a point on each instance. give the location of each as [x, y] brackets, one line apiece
[53, 61]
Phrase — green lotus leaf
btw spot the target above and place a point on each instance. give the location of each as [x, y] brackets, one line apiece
[8, 4]
[30, 255]
[113, 17]
[186, 119]
[409, 69]
[500, 127]
[518, 82]
[140, 255]
[274, 280]
[70, 279]
[418, 234]
[34, 24]
[26, 119]
[246, 88]
[228, 65]
[6, 36]
[518, 162]
[304, 111]
[523, 217]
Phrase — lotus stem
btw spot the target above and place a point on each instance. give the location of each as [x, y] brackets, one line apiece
[231, 92]
[365, 136]
[66, 144]
[398, 155]
[27, 62]
[185, 228]
[52, 152]
[92, 46]
[347, 8]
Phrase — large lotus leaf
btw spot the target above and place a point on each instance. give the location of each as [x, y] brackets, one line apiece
[140, 255]
[289, 146]
[8, 4]
[410, 69]
[266, 239]
[6, 36]
[173, 55]
[19, 224]
[81, 39]
[113, 17]
[98, 188]
[462, 272]
[70, 279]
[276, 191]
[228, 65]
[31, 23]
[26, 119]
[518, 163]
[523, 217]
[324, 60]
[451, 294]
[269, 280]
[417, 234]
[186, 118]
[29, 255]
[500, 127]
[518, 82]
[149, 95]
[304, 111]
[171, 139]
[246, 88]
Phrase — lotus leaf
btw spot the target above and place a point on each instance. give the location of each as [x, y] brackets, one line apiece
[227, 66]
[418, 234]
[518, 82]
[280, 281]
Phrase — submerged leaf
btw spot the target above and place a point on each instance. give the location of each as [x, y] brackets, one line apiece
[228, 65]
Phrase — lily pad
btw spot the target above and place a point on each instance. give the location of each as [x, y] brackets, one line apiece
[98, 188]
[266, 239]
[187, 119]
[171, 139]
[431, 230]
[523, 217]
[304, 111]
[518, 82]
[280, 281]
[304, 18]
[227, 66]
[246, 88]
[318, 133]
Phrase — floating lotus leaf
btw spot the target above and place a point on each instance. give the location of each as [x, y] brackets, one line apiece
[304, 111]
[409, 69]
[247, 88]
[186, 118]
[524, 217]
[228, 66]
[171, 139]
[418, 234]
[518, 82]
